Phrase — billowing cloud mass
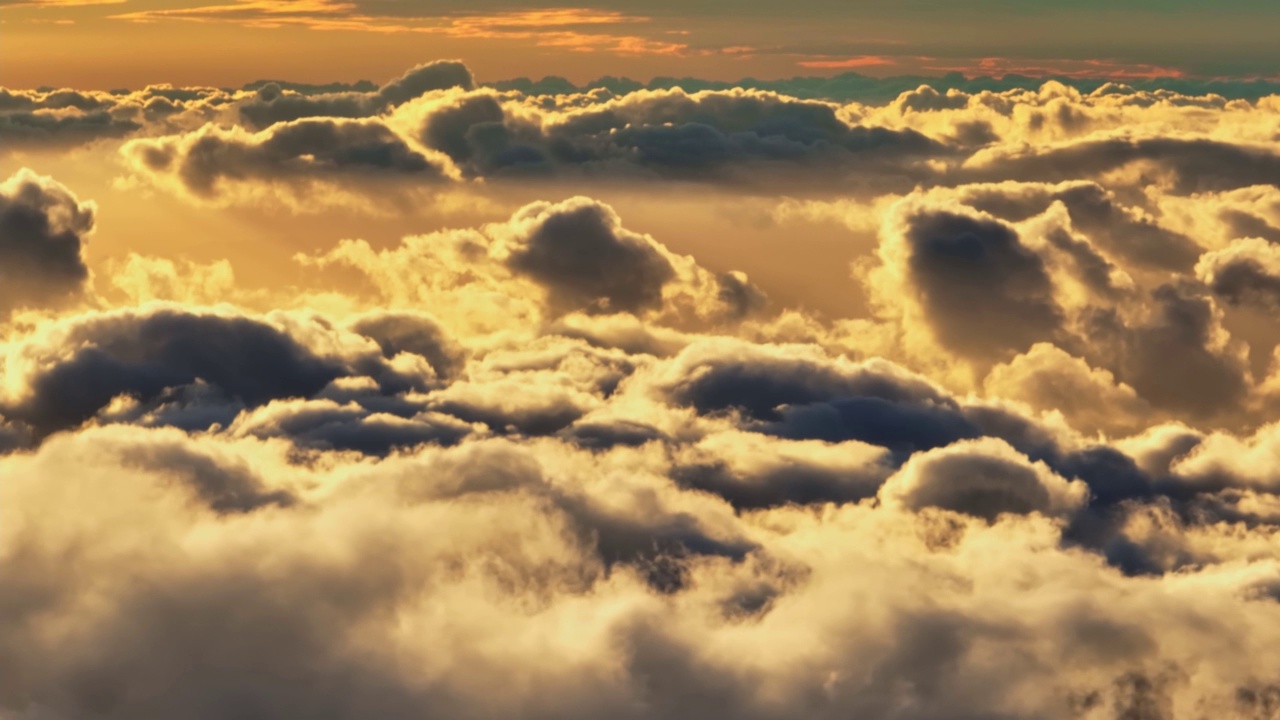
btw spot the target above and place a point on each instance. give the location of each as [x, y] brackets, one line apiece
[551, 457]
[43, 228]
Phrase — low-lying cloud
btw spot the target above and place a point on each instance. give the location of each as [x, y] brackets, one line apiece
[554, 453]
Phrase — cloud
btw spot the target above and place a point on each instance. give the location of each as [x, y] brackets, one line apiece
[1181, 357]
[324, 424]
[48, 128]
[1125, 232]
[675, 134]
[52, 119]
[43, 228]
[271, 103]
[581, 253]
[438, 75]
[57, 3]
[572, 29]
[965, 284]
[855, 87]
[984, 478]
[983, 292]
[416, 333]
[549, 260]
[1247, 271]
[1186, 165]
[753, 471]
[1048, 378]
[715, 137]
[478, 544]
[63, 374]
[294, 158]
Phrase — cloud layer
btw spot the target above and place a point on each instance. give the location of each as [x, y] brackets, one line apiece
[548, 452]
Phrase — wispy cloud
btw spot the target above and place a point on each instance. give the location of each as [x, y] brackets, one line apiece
[860, 61]
[997, 66]
[1108, 68]
[5, 4]
[576, 29]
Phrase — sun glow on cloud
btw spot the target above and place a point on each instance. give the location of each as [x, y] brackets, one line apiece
[807, 398]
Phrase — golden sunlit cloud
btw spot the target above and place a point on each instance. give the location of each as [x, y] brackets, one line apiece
[55, 3]
[564, 28]
[861, 61]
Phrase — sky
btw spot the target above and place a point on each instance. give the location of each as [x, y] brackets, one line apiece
[897, 361]
[103, 44]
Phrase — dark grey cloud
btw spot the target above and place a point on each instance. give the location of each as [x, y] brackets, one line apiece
[56, 119]
[13, 436]
[984, 479]
[275, 101]
[760, 383]
[417, 333]
[438, 75]
[1118, 229]
[1191, 165]
[43, 227]
[142, 353]
[877, 404]
[326, 425]
[903, 427]
[1175, 358]
[581, 253]
[299, 152]
[984, 292]
[271, 105]
[988, 291]
[49, 129]
[602, 435]
[740, 295]
[790, 481]
[707, 136]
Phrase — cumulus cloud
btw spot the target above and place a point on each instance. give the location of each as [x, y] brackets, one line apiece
[587, 260]
[985, 478]
[983, 292]
[711, 136]
[1247, 271]
[1126, 232]
[670, 133]
[1049, 379]
[965, 284]
[213, 162]
[1187, 165]
[43, 228]
[65, 372]
[271, 103]
[549, 260]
